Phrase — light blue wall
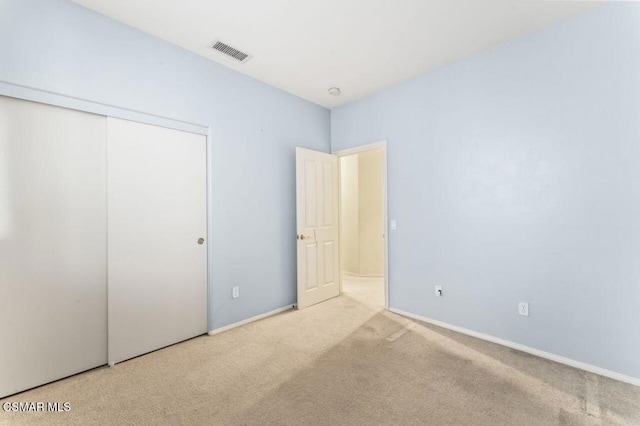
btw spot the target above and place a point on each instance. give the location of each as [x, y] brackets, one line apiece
[514, 176]
[59, 46]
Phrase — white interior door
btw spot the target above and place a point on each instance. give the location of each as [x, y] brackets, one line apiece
[157, 254]
[53, 248]
[317, 224]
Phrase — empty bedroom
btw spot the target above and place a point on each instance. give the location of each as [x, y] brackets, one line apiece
[336, 212]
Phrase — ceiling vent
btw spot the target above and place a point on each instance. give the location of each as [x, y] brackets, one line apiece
[230, 51]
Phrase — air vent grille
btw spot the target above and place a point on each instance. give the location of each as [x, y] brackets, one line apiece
[230, 51]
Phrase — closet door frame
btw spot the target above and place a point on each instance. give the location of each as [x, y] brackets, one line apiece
[33, 94]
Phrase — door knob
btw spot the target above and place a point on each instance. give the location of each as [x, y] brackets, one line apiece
[302, 236]
[200, 240]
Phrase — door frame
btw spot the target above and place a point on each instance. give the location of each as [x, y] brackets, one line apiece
[382, 145]
[16, 90]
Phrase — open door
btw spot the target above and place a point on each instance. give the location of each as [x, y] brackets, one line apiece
[317, 226]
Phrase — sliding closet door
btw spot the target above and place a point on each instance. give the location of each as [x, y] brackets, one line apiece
[157, 227]
[53, 301]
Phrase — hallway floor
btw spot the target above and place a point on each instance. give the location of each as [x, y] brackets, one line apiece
[364, 366]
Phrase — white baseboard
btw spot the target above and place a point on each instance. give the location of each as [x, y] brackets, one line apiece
[252, 319]
[542, 354]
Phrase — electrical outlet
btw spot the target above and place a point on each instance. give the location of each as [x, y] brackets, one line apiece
[394, 224]
[439, 290]
[523, 309]
[235, 293]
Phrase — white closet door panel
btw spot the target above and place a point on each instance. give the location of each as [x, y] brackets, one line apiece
[157, 213]
[53, 302]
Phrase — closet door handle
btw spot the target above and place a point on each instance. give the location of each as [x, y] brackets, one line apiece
[200, 240]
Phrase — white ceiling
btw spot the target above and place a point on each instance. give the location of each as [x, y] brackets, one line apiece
[360, 46]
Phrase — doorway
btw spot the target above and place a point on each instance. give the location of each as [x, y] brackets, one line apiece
[363, 223]
[326, 263]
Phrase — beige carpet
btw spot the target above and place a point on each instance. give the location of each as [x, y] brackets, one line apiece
[364, 366]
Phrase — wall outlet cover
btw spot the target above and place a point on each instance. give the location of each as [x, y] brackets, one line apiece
[235, 293]
[523, 309]
[438, 291]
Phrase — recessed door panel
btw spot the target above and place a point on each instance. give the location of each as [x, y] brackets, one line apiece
[329, 266]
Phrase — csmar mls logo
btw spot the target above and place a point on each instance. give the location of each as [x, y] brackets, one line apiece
[36, 406]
